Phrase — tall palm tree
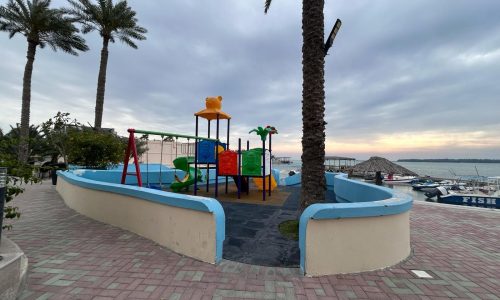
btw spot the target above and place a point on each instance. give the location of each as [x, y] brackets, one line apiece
[313, 101]
[41, 25]
[113, 21]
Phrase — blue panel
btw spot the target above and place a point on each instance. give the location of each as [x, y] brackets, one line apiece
[293, 180]
[276, 175]
[206, 152]
[203, 204]
[150, 174]
[296, 179]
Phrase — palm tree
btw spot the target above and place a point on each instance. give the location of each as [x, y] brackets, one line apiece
[41, 25]
[113, 21]
[313, 101]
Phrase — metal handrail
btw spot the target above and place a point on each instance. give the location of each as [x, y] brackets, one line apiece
[169, 134]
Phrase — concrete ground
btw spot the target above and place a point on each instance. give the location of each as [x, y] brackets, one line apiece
[74, 257]
[252, 233]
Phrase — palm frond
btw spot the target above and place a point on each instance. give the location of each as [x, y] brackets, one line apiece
[86, 28]
[22, 8]
[113, 21]
[41, 24]
[267, 5]
[128, 41]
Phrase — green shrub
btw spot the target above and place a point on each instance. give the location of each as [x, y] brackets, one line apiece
[55, 132]
[95, 149]
[17, 175]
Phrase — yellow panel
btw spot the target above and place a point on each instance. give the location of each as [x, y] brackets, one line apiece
[258, 182]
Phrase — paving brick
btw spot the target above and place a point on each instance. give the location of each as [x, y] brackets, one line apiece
[74, 257]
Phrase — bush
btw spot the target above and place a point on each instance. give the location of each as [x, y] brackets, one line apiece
[55, 132]
[17, 174]
[38, 145]
[94, 149]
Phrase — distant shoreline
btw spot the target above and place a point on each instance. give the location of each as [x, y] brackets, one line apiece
[451, 160]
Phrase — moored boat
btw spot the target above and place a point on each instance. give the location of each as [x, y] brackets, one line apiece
[398, 179]
[425, 184]
[470, 198]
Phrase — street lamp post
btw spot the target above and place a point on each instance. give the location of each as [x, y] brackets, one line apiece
[331, 37]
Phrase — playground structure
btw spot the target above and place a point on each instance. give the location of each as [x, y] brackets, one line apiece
[212, 154]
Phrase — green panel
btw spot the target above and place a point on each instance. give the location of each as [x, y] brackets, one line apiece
[182, 162]
[251, 162]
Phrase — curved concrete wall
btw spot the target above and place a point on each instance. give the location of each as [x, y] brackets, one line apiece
[368, 231]
[13, 270]
[192, 226]
[150, 174]
[297, 178]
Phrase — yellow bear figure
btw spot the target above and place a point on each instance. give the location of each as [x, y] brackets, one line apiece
[214, 103]
[213, 109]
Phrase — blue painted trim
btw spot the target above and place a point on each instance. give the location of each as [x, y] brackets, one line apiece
[293, 180]
[383, 202]
[203, 204]
[296, 179]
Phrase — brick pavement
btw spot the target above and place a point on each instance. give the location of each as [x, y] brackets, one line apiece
[74, 257]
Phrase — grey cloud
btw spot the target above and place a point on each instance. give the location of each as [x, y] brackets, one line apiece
[394, 67]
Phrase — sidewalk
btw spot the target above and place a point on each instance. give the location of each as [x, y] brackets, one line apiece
[74, 257]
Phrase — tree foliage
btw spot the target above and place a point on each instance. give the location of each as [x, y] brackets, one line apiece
[56, 132]
[113, 21]
[41, 26]
[38, 146]
[18, 174]
[95, 149]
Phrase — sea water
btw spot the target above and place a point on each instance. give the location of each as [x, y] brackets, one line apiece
[433, 169]
[452, 169]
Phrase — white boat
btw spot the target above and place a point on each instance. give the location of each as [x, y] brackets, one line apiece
[397, 179]
[470, 198]
[424, 185]
[482, 196]
[451, 183]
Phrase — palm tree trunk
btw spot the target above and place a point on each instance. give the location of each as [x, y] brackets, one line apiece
[101, 84]
[25, 108]
[313, 103]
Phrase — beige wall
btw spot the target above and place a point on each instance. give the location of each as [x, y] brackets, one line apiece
[337, 246]
[185, 231]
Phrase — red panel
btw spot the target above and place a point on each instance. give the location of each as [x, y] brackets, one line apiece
[228, 163]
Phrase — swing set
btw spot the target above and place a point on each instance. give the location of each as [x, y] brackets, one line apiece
[132, 152]
[176, 146]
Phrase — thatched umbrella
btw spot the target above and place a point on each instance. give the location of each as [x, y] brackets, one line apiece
[379, 164]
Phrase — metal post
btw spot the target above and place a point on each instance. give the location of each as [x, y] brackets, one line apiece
[3, 187]
[263, 170]
[239, 169]
[270, 164]
[208, 165]
[136, 162]
[126, 159]
[227, 146]
[217, 160]
[195, 159]
[248, 178]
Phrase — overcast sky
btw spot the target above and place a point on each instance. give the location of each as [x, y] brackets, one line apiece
[404, 79]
